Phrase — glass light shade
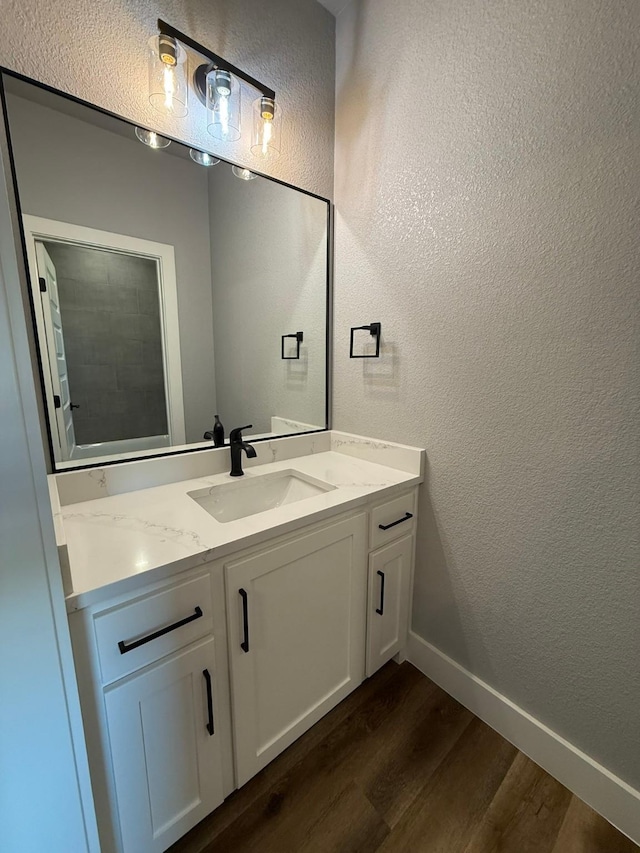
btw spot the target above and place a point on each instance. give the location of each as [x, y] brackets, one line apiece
[267, 128]
[224, 97]
[152, 139]
[202, 158]
[168, 86]
[243, 174]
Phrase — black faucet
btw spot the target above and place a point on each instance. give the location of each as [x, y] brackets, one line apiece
[237, 445]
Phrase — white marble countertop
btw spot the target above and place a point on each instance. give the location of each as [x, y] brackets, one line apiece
[118, 543]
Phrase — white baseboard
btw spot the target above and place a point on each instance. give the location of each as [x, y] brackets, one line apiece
[616, 801]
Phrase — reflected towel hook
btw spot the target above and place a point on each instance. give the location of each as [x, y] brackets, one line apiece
[298, 336]
[374, 330]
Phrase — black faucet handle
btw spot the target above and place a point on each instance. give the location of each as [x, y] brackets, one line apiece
[236, 434]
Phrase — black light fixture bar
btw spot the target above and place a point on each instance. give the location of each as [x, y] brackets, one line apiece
[167, 30]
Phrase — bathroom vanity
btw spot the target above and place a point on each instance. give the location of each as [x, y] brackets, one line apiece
[206, 643]
[214, 619]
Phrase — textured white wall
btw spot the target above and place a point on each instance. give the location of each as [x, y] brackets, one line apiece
[269, 279]
[97, 51]
[487, 184]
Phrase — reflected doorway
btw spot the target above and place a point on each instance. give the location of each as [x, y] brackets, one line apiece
[111, 359]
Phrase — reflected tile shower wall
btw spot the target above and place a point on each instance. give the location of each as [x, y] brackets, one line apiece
[111, 322]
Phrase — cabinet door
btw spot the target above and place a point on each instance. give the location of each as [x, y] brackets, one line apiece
[388, 611]
[166, 761]
[296, 637]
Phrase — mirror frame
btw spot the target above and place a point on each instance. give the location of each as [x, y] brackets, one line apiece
[8, 162]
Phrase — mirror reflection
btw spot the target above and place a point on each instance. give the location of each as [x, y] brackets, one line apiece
[168, 288]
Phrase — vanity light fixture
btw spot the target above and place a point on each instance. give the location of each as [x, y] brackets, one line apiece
[152, 139]
[224, 105]
[218, 85]
[267, 124]
[202, 158]
[168, 88]
[243, 174]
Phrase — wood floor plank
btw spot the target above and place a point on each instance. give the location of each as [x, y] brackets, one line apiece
[445, 813]
[372, 694]
[585, 831]
[348, 822]
[403, 761]
[526, 813]
[306, 820]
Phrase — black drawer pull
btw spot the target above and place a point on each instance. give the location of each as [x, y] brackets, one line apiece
[207, 678]
[380, 610]
[244, 645]
[407, 516]
[129, 647]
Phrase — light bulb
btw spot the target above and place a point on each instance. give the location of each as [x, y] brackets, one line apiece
[223, 105]
[267, 124]
[266, 136]
[169, 86]
[224, 113]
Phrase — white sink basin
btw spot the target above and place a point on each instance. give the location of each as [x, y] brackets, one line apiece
[234, 500]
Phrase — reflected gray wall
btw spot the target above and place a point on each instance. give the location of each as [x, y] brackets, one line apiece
[105, 181]
[260, 295]
[113, 344]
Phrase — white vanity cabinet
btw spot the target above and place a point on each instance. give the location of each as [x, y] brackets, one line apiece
[153, 676]
[190, 686]
[296, 616]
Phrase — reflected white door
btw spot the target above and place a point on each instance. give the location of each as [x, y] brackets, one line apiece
[62, 414]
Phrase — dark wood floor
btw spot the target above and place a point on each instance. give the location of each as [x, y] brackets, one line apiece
[401, 766]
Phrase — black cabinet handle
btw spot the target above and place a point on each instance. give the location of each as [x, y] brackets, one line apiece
[407, 516]
[380, 610]
[207, 678]
[244, 645]
[128, 647]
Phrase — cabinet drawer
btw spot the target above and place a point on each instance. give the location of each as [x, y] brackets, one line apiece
[136, 634]
[392, 519]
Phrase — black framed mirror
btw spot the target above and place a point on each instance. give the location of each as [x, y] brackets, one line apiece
[167, 286]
